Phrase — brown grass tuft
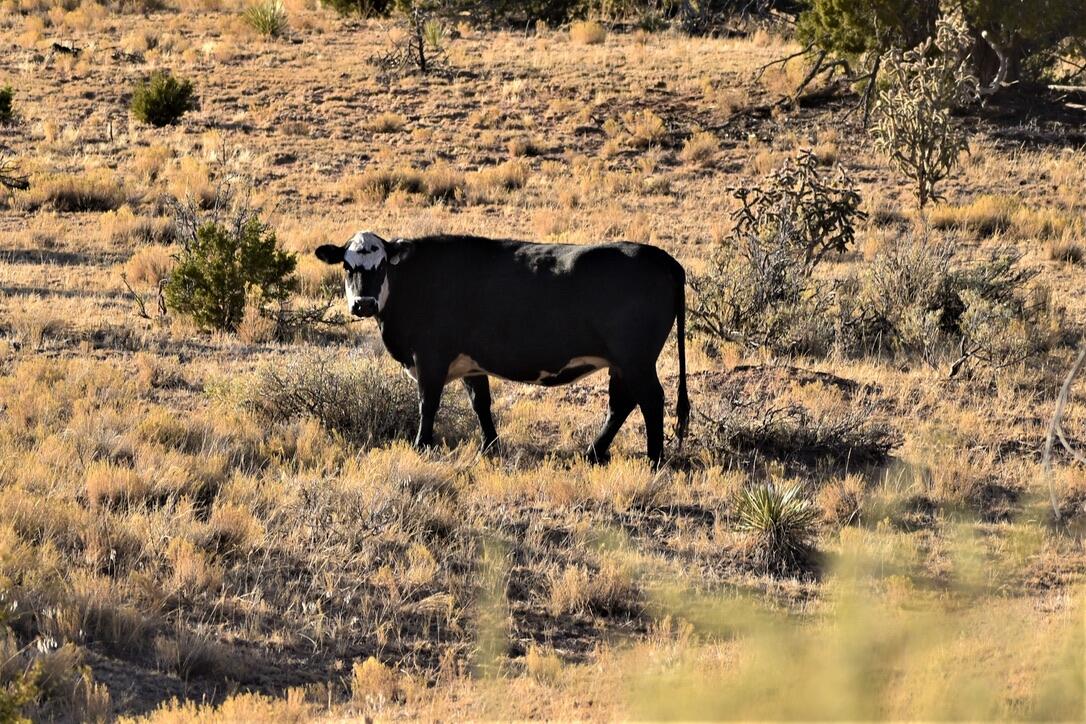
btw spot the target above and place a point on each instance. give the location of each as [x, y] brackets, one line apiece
[93, 190]
[700, 149]
[587, 32]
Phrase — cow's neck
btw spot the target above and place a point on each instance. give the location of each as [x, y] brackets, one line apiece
[393, 334]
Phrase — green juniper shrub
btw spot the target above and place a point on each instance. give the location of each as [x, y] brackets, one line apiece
[362, 8]
[7, 112]
[222, 267]
[161, 100]
[1029, 37]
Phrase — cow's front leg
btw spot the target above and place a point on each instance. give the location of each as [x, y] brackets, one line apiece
[478, 387]
[431, 383]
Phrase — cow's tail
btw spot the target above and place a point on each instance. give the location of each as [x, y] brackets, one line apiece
[682, 405]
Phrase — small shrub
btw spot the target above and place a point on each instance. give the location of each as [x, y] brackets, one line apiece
[901, 299]
[587, 32]
[386, 123]
[607, 591]
[442, 182]
[7, 111]
[986, 215]
[522, 146]
[842, 502]
[362, 8]
[149, 265]
[365, 402]
[161, 100]
[700, 148]
[374, 185]
[507, 176]
[221, 267]
[93, 190]
[760, 424]
[373, 684]
[196, 653]
[544, 666]
[417, 47]
[1066, 250]
[266, 17]
[644, 129]
[125, 227]
[108, 484]
[915, 299]
[780, 523]
[758, 289]
[914, 126]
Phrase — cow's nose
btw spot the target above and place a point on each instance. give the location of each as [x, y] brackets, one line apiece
[364, 307]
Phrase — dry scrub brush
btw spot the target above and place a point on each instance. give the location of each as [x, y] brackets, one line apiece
[918, 298]
[368, 402]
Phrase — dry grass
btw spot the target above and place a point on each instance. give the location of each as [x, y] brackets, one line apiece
[587, 32]
[386, 123]
[94, 190]
[701, 149]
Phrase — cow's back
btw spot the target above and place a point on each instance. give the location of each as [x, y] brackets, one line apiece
[547, 302]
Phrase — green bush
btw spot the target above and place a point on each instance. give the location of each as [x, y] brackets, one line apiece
[266, 17]
[7, 112]
[362, 8]
[161, 100]
[223, 267]
[1030, 36]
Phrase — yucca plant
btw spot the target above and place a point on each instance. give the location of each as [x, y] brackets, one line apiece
[266, 17]
[780, 523]
[434, 35]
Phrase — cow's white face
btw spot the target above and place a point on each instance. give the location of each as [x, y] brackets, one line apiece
[365, 263]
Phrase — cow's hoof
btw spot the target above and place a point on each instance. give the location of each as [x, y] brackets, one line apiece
[596, 457]
[491, 447]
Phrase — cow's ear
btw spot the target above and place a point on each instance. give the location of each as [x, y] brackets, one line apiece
[330, 253]
[399, 251]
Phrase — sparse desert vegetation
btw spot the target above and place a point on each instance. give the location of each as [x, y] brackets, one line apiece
[208, 506]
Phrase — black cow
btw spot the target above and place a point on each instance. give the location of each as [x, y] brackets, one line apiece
[464, 307]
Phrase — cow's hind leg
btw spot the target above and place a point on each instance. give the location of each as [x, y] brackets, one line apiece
[478, 387]
[649, 393]
[621, 403]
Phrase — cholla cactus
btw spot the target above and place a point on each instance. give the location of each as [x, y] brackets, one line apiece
[914, 125]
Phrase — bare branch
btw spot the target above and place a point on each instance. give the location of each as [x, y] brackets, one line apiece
[1056, 425]
[782, 61]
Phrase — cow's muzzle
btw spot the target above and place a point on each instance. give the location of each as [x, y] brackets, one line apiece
[364, 307]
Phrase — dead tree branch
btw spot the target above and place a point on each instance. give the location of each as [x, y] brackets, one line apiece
[10, 178]
[783, 61]
[1004, 67]
[1055, 429]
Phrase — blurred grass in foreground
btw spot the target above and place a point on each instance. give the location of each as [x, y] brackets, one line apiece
[892, 636]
